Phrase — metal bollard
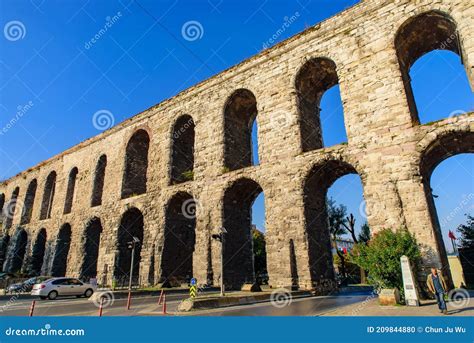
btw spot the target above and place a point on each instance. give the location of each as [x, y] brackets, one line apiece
[161, 298]
[32, 308]
[100, 306]
[129, 300]
[164, 303]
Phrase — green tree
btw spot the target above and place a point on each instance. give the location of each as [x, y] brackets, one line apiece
[364, 235]
[350, 224]
[467, 233]
[259, 253]
[380, 257]
[336, 224]
[363, 238]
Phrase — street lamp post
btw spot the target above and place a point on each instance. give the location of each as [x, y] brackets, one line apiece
[221, 238]
[132, 244]
[222, 261]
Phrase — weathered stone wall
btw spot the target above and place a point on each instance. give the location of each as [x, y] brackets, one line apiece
[385, 147]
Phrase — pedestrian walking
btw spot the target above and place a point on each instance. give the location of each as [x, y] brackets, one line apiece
[437, 286]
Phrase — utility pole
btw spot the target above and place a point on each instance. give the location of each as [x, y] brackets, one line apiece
[221, 238]
[222, 261]
[131, 245]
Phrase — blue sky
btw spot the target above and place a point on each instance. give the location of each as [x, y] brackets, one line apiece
[59, 78]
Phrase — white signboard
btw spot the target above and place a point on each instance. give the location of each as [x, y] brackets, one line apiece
[411, 294]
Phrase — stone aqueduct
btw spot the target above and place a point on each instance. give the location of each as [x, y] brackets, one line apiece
[74, 213]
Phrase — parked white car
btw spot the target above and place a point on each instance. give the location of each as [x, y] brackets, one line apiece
[62, 286]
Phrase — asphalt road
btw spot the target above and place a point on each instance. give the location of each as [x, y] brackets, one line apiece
[72, 306]
[307, 306]
[148, 305]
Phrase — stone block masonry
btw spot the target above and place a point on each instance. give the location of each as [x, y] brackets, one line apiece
[175, 173]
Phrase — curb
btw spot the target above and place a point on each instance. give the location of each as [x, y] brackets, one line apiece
[188, 304]
[124, 293]
[352, 289]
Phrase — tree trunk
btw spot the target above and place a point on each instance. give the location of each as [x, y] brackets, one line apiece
[363, 276]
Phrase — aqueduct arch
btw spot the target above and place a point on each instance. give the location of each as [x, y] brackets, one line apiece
[99, 179]
[61, 251]
[37, 253]
[182, 150]
[446, 145]
[16, 253]
[4, 241]
[29, 202]
[443, 147]
[91, 244]
[313, 79]
[71, 187]
[9, 210]
[237, 207]
[179, 239]
[131, 225]
[136, 164]
[125, 176]
[421, 34]
[240, 111]
[317, 182]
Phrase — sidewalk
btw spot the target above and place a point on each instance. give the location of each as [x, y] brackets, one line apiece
[118, 294]
[371, 307]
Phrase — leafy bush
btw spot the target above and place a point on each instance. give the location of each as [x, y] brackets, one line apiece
[188, 175]
[380, 257]
[352, 270]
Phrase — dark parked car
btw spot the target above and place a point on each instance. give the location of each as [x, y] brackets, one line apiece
[27, 285]
[5, 279]
[4, 276]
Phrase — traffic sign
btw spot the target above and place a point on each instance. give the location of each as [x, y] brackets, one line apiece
[193, 281]
[193, 291]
